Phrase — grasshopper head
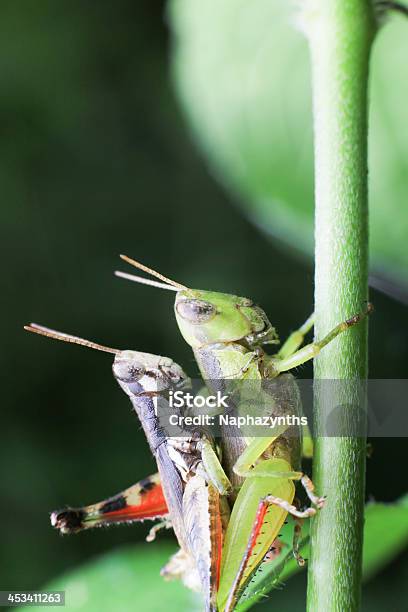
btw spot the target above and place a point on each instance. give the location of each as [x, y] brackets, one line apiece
[208, 317]
[150, 372]
[144, 370]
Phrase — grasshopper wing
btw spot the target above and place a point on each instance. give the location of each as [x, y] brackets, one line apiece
[202, 518]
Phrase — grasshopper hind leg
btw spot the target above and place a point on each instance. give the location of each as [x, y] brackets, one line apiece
[239, 583]
[142, 501]
[241, 579]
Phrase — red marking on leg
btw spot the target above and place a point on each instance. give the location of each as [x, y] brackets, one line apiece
[216, 536]
[218, 544]
[152, 504]
[259, 519]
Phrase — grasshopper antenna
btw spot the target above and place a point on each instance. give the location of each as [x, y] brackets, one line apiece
[167, 282]
[56, 335]
[145, 281]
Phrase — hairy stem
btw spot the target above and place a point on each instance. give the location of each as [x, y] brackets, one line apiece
[340, 33]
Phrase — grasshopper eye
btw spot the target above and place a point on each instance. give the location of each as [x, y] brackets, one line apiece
[136, 372]
[129, 372]
[196, 311]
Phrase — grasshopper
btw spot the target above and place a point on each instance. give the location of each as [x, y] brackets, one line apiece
[192, 479]
[227, 334]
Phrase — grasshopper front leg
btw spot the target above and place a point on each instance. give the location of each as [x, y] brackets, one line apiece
[287, 361]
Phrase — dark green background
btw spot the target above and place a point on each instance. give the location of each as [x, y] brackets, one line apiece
[95, 159]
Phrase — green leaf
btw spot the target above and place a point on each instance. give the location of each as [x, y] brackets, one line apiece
[127, 579]
[385, 536]
[243, 77]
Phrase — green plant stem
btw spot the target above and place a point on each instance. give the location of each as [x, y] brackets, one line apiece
[340, 33]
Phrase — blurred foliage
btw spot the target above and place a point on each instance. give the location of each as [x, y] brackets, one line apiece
[243, 75]
[125, 580]
[95, 160]
[381, 542]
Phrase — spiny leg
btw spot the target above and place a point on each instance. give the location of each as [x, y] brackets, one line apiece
[240, 581]
[142, 501]
[237, 587]
[246, 514]
[274, 551]
[296, 339]
[247, 567]
[312, 350]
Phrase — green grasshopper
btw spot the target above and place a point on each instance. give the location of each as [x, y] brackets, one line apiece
[192, 479]
[227, 334]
